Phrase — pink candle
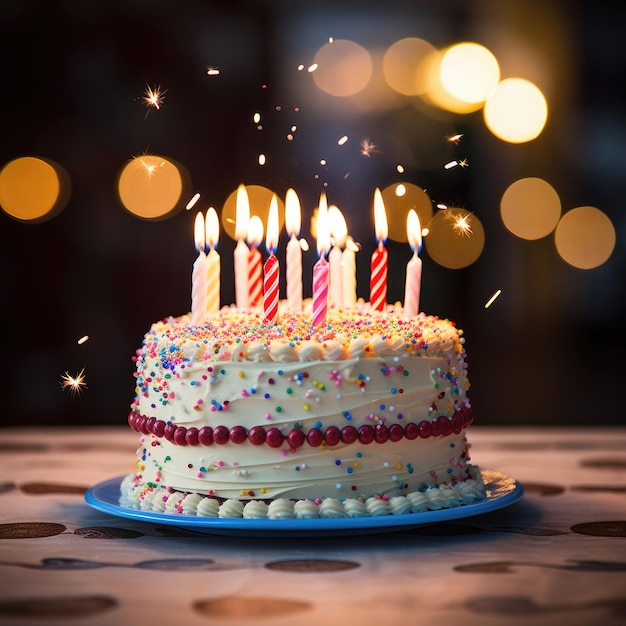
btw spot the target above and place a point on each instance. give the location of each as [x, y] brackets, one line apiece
[242, 219]
[414, 266]
[271, 268]
[199, 276]
[320, 270]
[378, 265]
[255, 271]
[294, 251]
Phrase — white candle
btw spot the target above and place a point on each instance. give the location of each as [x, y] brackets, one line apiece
[348, 265]
[242, 220]
[212, 234]
[414, 266]
[199, 276]
[338, 233]
[294, 251]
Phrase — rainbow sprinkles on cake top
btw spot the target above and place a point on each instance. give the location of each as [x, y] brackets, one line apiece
[301, 408]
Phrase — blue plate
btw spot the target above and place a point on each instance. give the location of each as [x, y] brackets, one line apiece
[502, 490]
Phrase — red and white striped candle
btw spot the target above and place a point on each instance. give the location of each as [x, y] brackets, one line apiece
[378, 265]
[320, 269]
[271, 269]
[413, 281]
[255, 263]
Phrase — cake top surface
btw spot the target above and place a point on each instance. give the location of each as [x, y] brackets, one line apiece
[234, 336]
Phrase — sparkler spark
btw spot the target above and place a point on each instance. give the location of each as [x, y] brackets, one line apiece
[461, 225]
[368, 148]
[492, 299]
[213, 71]
[82, 340]
[74, 383]
[455, 139]
[154, 96]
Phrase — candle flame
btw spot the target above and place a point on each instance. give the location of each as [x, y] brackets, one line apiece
[323, 230]
[255, 231]
[271, 239]
[199, 233]
[414, 231]
[337, 225]
[355, 246]
[380, 217]
[242, 213]
[293, 216]
[211, 228]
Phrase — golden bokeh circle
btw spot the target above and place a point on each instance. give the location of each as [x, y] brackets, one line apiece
[516, 111]
[399, 199]
[343, 68]
[151, 186]
[259, 198]
[404, 68]
[585, 237]
[33, 189]
[452, 246]
[530, 208]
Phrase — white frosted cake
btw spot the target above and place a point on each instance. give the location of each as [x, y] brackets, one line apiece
[366, 415]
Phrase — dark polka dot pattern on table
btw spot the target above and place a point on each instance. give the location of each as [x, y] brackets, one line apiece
[65, 607]
[308, 566]
[251, 608]
[30, 530]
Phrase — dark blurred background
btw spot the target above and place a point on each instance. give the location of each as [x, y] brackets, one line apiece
[73, 79]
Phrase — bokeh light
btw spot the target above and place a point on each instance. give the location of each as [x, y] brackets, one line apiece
[530, 208]
[451, 245]
[343, 68]
[469, 72]
[152, 187]
[33, 189]
[259, 198]
[516, 111]
[585, 237]
[399, 199]
[404, 66]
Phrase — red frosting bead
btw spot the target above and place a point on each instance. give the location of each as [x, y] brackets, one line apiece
[150, 422]
[411, 431]
[295, 438]
[396, 432]
[159, 428]
[238, 434]
[332, 436]
[221, 435]
[256, 435]
[205, 435]
[191, 436]
[168, 431]
[457, 424]
[349, 434]
[445, 424]
[274, 438]
[435, 428]
[366, 433]
[425, 429]
[132, 417]
[315, 437]
[382, 433]
[179, 436]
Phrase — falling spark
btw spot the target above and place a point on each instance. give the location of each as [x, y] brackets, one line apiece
[400, 190]
[450, 165]
[492, 299]
[342, 140]
[213, 71]
[461, 225]
[262, 159]
[454, 138]
[323, 162]
[331, 39]
[192, 202]
[300, 67]
[464, 163]
[313, 67]
[441, 206]
[399, 169]
[154, 96]
[368, 148]
[256, 118]
[304, 245]
[82, 340]
[74, 383]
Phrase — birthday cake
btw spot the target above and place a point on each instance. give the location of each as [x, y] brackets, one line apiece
[365, 415]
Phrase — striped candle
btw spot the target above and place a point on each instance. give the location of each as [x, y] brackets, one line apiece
[255, 271]
[379, 261]
[271, 269]
[212, 232]
[320, 269]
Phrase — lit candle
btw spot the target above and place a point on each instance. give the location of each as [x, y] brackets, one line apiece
[199, 276]
[212, 234]
[414, 266]
[255, 271]
[348, 265]
[320, 269]
[271, 269]
[338, 233]
[294, 251]
[378, 266]
[242, 219]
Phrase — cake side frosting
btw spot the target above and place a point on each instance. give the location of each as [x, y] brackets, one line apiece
[369, 406]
